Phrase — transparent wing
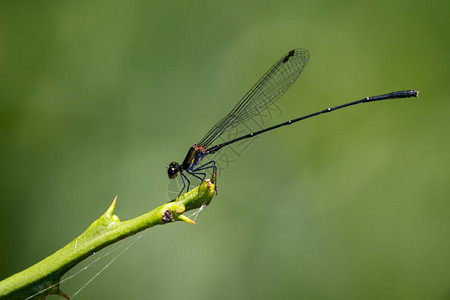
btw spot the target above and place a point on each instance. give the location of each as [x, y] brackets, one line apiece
[265, 92]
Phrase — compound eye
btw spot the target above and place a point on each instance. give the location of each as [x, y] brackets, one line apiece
[173, 169]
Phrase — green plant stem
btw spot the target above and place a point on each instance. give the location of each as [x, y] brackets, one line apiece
[42, 279]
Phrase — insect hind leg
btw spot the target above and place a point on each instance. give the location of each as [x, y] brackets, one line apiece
[209, 165]
[202, 175]
[199, 175]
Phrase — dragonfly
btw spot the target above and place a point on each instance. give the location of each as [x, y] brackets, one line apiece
[272, 85]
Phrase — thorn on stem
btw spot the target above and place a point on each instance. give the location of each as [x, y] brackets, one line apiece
[186, 219]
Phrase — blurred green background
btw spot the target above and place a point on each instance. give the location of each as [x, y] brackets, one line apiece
[97, 97]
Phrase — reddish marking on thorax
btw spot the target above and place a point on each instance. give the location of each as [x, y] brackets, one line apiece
[199, 148]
